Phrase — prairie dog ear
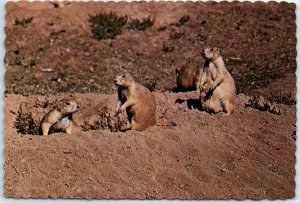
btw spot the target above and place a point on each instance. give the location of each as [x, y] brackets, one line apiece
[60, 105]
[127, 75]
[218, 50]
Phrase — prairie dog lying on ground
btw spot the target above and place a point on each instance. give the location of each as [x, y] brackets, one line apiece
[217, 87]
[188, 77]
[60, 117]
[137, 100]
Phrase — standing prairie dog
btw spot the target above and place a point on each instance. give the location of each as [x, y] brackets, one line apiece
[188, 77]
[138, 102]
[217, 87]
[60, 117]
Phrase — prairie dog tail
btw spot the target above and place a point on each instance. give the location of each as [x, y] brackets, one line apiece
[164, 122]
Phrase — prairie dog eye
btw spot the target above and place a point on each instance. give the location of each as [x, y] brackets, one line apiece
[68, 103]
[211, 49]
[123, 76]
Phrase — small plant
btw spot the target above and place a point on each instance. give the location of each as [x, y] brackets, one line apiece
[167, 49]
[176, 35]
[31, 63]
[24, 21]
[275, 17]
[142, 25]
[282, 99]
[184, 19]
[62, 74]
[106, 26]
[288, 100]
[151, 85]
[25, 124]
[162, 28]
[16, 62]
[106, 121]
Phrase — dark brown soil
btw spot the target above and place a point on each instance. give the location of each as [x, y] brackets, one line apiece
[250, 154]
[258, 43]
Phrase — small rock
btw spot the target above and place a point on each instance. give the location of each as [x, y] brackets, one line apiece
[47, 70]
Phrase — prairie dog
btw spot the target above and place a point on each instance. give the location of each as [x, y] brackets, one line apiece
[138, 102]
[60, 117]
[188, 77]
[208, 75]
[217, 87]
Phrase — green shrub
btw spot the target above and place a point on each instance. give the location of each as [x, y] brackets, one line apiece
[23, 21]
[184, 19]
[25, 124]
[141, 25]
[107, 26]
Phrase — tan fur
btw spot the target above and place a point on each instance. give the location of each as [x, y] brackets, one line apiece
[138, 102]
[187, 78]
[59, 117]
[217, 87]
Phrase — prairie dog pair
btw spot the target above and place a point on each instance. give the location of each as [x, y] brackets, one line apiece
[137, 101]
[188, 77]
[60, 117]
[217, 87]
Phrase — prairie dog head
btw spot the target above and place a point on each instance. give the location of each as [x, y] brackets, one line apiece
[123, 80]
[67, 106]
[211, 53]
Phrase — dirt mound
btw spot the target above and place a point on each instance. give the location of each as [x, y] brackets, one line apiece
[250, 154]
[96, 117]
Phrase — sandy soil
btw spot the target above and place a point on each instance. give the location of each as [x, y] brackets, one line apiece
[250, 154]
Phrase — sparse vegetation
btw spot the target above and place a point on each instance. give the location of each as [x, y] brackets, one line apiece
[24, 21]
[25, 123]
[62, 74]
[176, 35]
[257, 80]
[150, 85]
[32, 62]
[252, 69]
[284, 99]
[167, 48]
[106, 26]
[106, 121]
[16, 62]
[30, 114]
[162, 28]
[275, 17]
[184, 19]
[141, 25]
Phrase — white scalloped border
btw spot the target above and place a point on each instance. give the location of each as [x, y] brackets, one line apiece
[2, 88]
